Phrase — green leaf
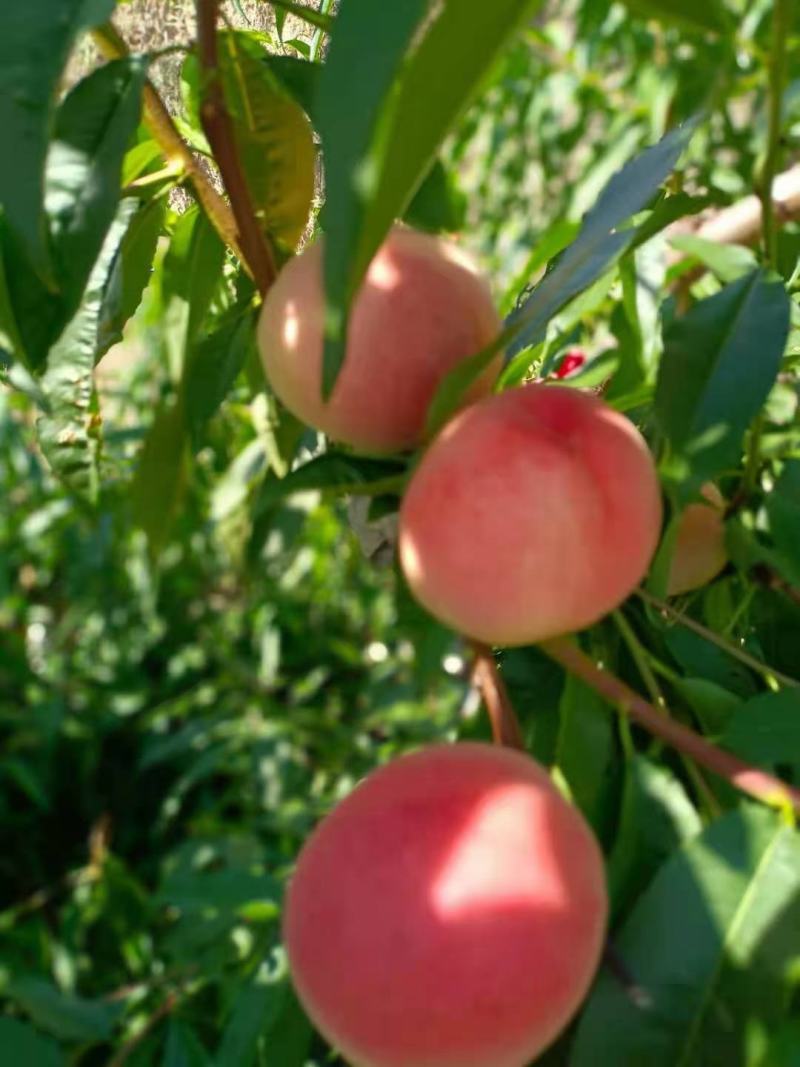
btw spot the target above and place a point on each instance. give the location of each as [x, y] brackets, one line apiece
[212, 367]
[191, 274]
[63, 1015]
[70, 432]
[93, 127]
[783, 509]
[130, 273]
[599, 244]
[160, 478]
[708, 17]
[710, 383]
[382, 120]
[333, 472]
[273, 137]
[183, 1047]
[21, 1044]
[438, 205]
[266, 1014]
[708, 945]
[728, 262]
[767, 729]
[35, 41]
[307, 14]
[298, 77]
[585, 749]
[656, 817]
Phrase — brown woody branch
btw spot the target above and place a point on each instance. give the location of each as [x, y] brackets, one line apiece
[743, 776]
[175, 150]
[741, 223]
[219, 131]
[486, 678]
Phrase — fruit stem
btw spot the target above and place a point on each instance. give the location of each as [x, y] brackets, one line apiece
[713, 638]
[743, 776]
[218, 128]
[486, 678]
[781, 31]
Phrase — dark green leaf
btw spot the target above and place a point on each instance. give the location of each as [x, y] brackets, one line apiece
[767, 729]
[298, 77]
[93, 127]
[720, 362]
[708, 17]
[21, 1044]
[656, 817]
[184, 1048]
[212, 367]
[160, 477]
[130, 273]
[599, 243]
[333, 472]
[783, 509]
[192, 273]
[35, 41]
[438, 205]
[364, 58]
[375, 164]
[67, 1017]
[585, 749]
[266, 1014]
[708, 945]
[307, 14]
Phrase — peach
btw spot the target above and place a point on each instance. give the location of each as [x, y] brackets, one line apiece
[699, 553]
[421, 309]
[450, 912]
[532, 514]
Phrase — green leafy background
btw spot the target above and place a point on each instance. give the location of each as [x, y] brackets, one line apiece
[204, 642]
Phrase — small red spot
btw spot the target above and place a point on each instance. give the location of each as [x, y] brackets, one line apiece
[572, 361]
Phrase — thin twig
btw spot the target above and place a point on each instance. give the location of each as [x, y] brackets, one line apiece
[639, 654]
[743, 776]
[486, 678]
[175, 150]
[218, 129]
[715, 639]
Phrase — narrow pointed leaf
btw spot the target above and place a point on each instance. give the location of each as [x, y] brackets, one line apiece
[720, 361]
[707, 945]
[600, 243]
[35, 42]
[274, 139]
[70, 433]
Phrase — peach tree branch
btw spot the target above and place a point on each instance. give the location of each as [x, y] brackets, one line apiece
[219, 131]
[743, 776]
[175, 150]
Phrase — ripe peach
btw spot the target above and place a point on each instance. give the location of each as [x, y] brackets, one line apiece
[699, 553]
[449, 913]
[421, 309]
[532, 514]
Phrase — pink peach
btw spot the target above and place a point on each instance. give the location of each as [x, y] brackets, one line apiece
[422, 308]
[450, 912]
[699, 553]
[533, 514]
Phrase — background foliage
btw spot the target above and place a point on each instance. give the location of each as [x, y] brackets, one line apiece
[203, 643]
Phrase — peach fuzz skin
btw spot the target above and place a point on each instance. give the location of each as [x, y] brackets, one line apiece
[421, 309]
[450, 912]
[533, 514]
[699, 553]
